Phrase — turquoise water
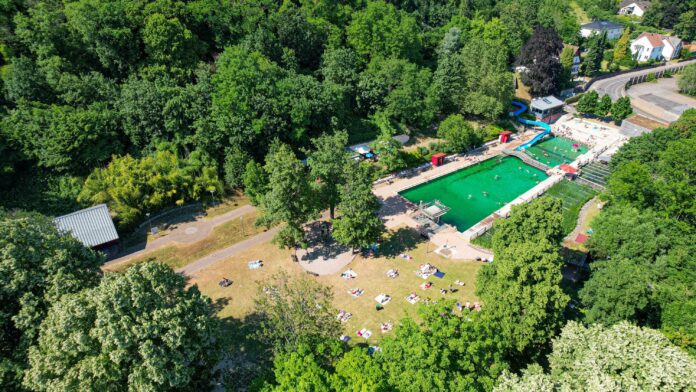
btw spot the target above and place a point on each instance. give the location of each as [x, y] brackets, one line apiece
[503, 179]
[556, 150]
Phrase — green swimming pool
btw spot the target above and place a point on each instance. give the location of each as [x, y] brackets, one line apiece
[475, 192]
[556, 150]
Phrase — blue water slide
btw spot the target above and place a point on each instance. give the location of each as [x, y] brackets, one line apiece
[521, 108]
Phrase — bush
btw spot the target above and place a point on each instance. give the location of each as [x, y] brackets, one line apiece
[687, 80]
[491, 132]
[574, 98]
[651, 78]
[460, 136]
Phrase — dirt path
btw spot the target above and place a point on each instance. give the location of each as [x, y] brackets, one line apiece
[228, 252]
[185, 233]
[582, 216]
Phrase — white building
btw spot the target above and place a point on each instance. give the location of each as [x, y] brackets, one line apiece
[651, 46]
[612, 29]
[633, 7]
[575, 68]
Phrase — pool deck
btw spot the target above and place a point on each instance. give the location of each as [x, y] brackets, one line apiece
[396, 211]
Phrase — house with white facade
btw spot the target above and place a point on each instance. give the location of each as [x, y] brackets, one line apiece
[633, 7]
[613, 30]
[652, 46]
[575, 68]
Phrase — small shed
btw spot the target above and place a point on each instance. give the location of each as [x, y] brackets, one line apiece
[547, 109]
[570, 172]
[438, 159]
[504, 137]
[92, 226]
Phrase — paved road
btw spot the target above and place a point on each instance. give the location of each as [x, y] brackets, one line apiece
[185, 233]
[616, 86]
[228, 252]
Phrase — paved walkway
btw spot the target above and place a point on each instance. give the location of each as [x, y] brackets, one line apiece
[228, 252]
[582, 216]
[185, 233]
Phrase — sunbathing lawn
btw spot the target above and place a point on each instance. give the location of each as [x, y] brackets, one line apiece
[237, 300]
[176, 256]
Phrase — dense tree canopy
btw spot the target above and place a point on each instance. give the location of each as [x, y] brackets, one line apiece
[39, 265]
[139, 330]
[643, 240]
[620, 357]
[541, 56]
[87, 80]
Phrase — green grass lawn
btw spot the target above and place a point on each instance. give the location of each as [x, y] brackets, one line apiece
[580, 13]
[572, 195]
[236, 302]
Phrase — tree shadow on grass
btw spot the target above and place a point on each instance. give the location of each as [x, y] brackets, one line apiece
[400, 241]
[245, 359]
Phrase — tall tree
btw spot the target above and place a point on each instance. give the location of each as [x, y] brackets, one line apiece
[444, 352]
[255, 182]
[687, 80]
[326, 164]
[356, 371]
[521, 293]
[388, 151]
[381, 29]
[40, 265]
[63, 138]
[588, 102]
[621, 49]
[540, 54]
[358, 224]
[603, 106]
[294, 312]
[489, 86]
[540, 219]
[139, 330]
[595, 54]
[458, 134]
[621, 109]
[288, 200]
[620, 357]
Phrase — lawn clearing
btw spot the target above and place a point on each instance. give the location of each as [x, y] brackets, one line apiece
[237, 300]
[579, 12]
[176, 256]
[573, 196]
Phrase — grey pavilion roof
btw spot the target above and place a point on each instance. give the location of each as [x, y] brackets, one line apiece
[545, 103]
[601, 25]
[92, 226]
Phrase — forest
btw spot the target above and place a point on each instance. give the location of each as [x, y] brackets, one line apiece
[92, 89]
[146, 105]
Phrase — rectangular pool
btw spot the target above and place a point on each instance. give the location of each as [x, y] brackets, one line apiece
[556, 150]
[476, 191]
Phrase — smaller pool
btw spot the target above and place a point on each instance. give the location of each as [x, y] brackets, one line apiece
[556, 150]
